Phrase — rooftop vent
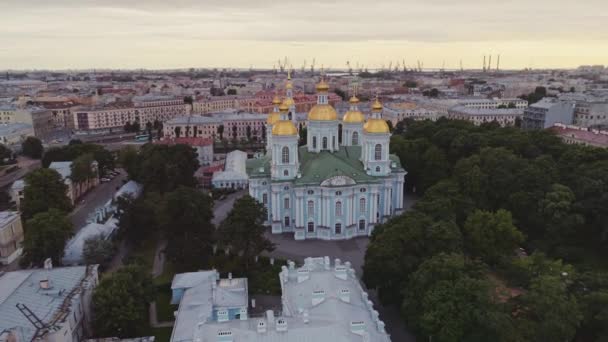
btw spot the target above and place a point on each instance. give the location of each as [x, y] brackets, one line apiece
[345, 295]
[281, 325]
[261, 327]
[303, 275]
[357, 327]
[224, 336]
[270, 317]
[222, 315]
[45, 284]
[340, 272]
[48, 264]
[318, 296]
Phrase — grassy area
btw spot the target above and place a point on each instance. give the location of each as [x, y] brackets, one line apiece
[160, 334]
[262, 277]
[144, 253]
[164, 308]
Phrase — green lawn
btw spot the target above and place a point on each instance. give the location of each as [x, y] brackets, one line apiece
[164, 308]
[160, 334]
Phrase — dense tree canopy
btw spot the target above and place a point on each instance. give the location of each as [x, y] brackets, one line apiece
[486, 192]
[120, 302]
[162, 168]
[45, 237]
[243, 229]
[44, 189]
[189, 232]
[104, 158]
[32, 147]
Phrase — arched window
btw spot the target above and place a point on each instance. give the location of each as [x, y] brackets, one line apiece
[311, 208]
[361, 224]
[325, 143]
[377, 168]
[286, 221]
[338, 228]
[286, 203]
[333, 143]
[285, 155]
[265, 198]
[285, 173]
[311, 227]
[338, 208]
[378, 152]
[314, 142]
[362, 205]
[355, 138]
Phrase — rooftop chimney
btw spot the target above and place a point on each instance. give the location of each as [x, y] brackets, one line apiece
[281, 325]
[270, 317]
[48, 264]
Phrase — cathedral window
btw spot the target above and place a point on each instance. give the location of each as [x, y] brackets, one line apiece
[314, 142]
[286, 203]
[338, 228]
[333, 142]
[377, 168]
[338, 208]
[378, 152]
[265, 199]
[285, 173]
[325, 143]
[355, 138]
[311, 208]
[311, 227]
[286, 221]
[285, 155]
[361, 224]
[362, 190]
[310, 192]
[362, 205]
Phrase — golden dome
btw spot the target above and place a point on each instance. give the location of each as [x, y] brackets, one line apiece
[376, 126]
[322, 112]
[322, 86]
[273, 117]
[276, 100]
[353, 100]
[289, 102]
[377, 106]
[289, 85]
[284, 127]
[353, 116]
[283, 108]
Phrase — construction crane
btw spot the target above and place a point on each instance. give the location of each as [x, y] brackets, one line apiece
[498, 63]
[484, 63]
[490, 63]
[461, 68]
[350, 70]
[303, 66]
[404, 68]
[312, 66]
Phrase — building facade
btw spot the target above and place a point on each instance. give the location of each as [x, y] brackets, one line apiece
[478, 116]
[546, 113]
[142, 109]
[327, 190]
[11, 236]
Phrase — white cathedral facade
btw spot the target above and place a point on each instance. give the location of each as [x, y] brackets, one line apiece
[327, 189]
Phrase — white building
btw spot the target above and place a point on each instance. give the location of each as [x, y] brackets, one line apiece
[55, 297]
[11, 236]
[234, 175]
[74, 248]
[478, 116]
[321, 302]
[548, 112]
[14, 134]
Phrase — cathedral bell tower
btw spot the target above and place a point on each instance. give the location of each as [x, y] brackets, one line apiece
[284, 149]
[375, 144]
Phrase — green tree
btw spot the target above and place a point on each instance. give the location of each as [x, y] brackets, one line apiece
[190, 234]
[220, 131]
[491, 236]
[98, 250]
[81, 168]
[44, 189]
[547, 311]
[248, 132]
[5, 154]
[162, 168]
[399, 246]
[32, 147]
[120, 302]
[562, 222]
[138, 219]
[127, 158]
[243, 229]
[47, 233]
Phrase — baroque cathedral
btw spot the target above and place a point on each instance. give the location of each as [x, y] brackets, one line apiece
[328, 189]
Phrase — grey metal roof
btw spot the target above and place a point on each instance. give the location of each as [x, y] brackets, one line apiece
[23, 287]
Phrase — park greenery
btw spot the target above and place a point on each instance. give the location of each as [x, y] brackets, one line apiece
[46, 235]
[44, 190]
[71, 152]
[456, 263]
[32, 147]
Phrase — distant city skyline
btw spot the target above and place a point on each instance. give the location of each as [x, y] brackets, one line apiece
[155, 34]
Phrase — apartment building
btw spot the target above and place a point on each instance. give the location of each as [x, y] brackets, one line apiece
[478, 116]
[11, 236]
[207, 126]
[548, 112]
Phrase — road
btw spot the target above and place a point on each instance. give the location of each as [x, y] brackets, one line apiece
[94, 199]
[223, 207]
[26, 166]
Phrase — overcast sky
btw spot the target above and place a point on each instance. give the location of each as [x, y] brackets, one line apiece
[67, 34]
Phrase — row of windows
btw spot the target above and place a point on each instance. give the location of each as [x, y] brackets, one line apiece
[337, 228]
